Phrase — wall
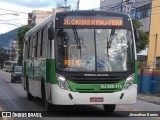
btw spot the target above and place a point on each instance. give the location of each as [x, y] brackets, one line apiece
[154, 29]
[149, 81]
[106, 4]
[146, 24]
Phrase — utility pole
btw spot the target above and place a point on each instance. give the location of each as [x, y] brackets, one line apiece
[65, 2]
[78, 1]
[127, 7]
[121, 6]
[155, 51]
[65, 7]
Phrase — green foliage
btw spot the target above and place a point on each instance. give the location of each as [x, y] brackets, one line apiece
[143, 42]
[4, 56]
[20, 34]
[144, 38]
[137, 23]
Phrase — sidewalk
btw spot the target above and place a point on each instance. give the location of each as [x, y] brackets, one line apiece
[152, 98]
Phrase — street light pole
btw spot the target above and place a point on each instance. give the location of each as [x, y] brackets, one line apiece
[155, 50]
[65, 3]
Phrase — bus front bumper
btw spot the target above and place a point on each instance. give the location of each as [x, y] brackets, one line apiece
[65, 97]
[6, 69]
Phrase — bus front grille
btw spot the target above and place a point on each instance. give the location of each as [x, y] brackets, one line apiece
[96, 80]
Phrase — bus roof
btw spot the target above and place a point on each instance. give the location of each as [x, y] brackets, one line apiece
[11, 61]
[50, 18]
[92, 12]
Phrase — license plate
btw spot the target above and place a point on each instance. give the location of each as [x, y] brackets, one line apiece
[96, 99]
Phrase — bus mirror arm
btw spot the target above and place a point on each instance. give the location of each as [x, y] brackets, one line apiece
[50, 33]
[136, 33]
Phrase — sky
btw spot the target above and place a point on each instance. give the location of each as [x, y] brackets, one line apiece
[14, 13]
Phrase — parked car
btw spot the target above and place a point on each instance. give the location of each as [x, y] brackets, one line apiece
[16, 74]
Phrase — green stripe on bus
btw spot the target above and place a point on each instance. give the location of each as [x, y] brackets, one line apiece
[50, 71]
[24, 69]
[135, 81]
[96, 87]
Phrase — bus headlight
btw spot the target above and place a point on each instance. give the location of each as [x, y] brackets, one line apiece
[129, 82]
[62, 82]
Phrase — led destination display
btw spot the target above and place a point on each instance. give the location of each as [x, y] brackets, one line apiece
[93, 20]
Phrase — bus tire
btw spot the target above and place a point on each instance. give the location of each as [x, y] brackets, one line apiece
[29, 96]
[11, 79]
[109, 108]
[47, 105]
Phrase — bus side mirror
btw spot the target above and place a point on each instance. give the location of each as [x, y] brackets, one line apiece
[50, 33]
[136, 34]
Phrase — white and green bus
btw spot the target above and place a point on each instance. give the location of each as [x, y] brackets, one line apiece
[8, 65]
[81, 58]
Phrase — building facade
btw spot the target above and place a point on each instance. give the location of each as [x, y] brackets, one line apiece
[142, 12]
[154, 37]
[37, 16]
[138, 9]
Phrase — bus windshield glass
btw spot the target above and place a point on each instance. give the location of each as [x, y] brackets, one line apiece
[18, 69]
[7, 63]
[103, 50]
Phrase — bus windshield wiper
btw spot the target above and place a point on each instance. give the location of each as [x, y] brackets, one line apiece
[110, 39]
[77, 39]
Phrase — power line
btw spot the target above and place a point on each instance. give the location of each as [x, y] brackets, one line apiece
[21, 19]
[113, 4]
[9, 24]
[120, 4]
[14, 19]
[150, 9]
[154, 7]
[13, 11]
[15, 24]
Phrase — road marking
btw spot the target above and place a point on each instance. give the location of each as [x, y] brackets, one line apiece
[3, 118]
[132, 109]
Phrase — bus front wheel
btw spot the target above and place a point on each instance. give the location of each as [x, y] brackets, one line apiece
[109, 108]
[47, 105]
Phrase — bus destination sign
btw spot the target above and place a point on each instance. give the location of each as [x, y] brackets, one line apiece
[93, 20]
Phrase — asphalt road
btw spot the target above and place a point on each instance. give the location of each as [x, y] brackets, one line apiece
[13, 98]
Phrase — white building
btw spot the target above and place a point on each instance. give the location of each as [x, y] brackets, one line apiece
[37, 16]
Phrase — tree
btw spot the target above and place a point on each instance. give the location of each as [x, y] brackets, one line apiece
[4, 56]
[20, 34]
[144, 38]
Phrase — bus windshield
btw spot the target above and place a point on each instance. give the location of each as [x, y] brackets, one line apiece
[7, 63]
[18, 69]
[91, 50]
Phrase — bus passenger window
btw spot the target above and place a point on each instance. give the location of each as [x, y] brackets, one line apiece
[26, 50]
[44, 42]
[41, 48]
[29, 47]
[39, 44]
[36, 44]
